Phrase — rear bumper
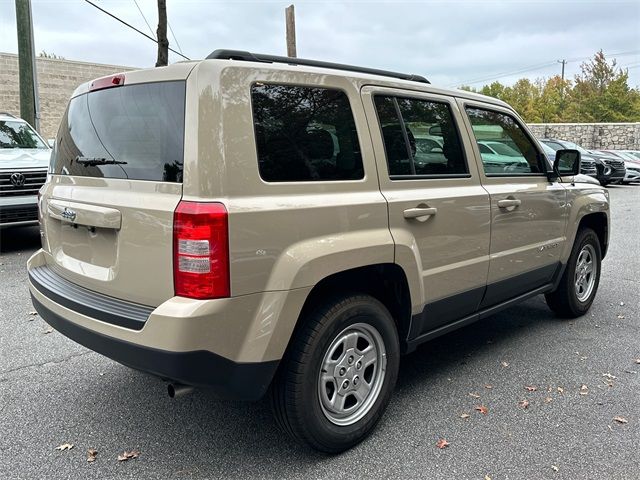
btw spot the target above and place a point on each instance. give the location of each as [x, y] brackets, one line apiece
[239, 381]
[222, 344]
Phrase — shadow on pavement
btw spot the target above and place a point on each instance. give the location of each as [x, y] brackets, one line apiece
[235, 431]
[16, 239]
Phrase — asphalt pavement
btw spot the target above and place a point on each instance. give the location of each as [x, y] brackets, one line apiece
[582, 374]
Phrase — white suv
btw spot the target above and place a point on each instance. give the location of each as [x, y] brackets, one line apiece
[24, 159]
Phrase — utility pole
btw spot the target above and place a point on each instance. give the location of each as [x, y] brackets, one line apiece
[163, 41]
[290, 16]
[29, 108]
[563, 62]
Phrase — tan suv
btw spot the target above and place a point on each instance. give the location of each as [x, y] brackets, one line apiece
[263, 224]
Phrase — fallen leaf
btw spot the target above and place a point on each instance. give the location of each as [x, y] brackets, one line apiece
[487, 477]
[622, 304]
[554, 468]
[465, 415]
[442, 443]
[474, 395]
[584, 390]
[488, 387]
[504, 364]
[632, 372]
[124, 456]
[524, 404]
[548, 400]
[560, 390]
[48, 330]
[92, 454]
[531, 389]
[482, 409]
[64, 446]
[637, 360]
[620, 317]
[609, 376]
[32, 313]
[621, 420]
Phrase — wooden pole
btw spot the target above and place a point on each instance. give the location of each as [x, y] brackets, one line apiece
[26, 64]
[290, 16]
[163, 41]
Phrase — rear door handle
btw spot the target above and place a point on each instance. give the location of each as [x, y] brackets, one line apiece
[509, 202]
[420, 212]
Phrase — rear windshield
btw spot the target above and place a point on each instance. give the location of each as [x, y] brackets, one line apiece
[134, 132]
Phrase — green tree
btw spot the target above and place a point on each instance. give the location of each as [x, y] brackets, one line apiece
[601, 93]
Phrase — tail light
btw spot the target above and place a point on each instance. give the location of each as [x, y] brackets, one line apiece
[201, 250]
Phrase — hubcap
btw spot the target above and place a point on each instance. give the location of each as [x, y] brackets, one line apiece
[352, 374]
[586, 272]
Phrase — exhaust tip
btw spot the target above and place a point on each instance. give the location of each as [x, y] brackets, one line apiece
[176, 390]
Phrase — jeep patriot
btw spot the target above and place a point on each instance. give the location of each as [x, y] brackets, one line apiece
[267, 225]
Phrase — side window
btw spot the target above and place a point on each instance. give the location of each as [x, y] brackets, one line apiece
[305, 134]
[420, 137]
[504, 146]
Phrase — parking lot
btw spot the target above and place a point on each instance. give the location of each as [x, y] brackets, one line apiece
[580, 376]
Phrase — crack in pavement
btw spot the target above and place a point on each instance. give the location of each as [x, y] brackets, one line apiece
[41, 364]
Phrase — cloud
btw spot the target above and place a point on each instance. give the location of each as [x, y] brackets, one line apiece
[448, 42]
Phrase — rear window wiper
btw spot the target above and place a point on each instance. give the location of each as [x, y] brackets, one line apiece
[93, 161]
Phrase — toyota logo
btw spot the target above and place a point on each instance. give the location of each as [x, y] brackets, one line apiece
[17, 179]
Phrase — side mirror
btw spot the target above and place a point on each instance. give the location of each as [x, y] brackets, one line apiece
[567, 162]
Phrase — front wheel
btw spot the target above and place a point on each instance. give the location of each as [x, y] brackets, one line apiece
[338, 374]
[579, 283]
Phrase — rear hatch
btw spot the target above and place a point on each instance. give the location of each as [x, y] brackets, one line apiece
[107, 210]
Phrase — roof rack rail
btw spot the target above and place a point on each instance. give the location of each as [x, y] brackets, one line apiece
[8, 114]
[259, 57]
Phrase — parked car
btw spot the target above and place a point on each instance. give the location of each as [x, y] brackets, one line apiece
[262, 225]
[24, 159]
[635, 153]
[587, 165]
[633, 172]
[621, 154]
[610, 169]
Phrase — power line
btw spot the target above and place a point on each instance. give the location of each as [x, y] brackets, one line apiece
[507, 74]
[174, 36]
[537, 67]
[132, 27]
[143, 17]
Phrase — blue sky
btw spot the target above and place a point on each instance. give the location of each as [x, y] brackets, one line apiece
[449, 42]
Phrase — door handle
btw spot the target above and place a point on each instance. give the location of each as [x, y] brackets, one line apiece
[420, 212]
[509, 202]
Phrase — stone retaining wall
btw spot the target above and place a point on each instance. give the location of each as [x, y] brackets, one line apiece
[605, 136]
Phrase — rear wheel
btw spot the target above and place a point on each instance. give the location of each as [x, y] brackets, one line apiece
[338, 375]
[579, 283]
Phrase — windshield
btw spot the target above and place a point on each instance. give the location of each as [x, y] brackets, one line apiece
[575, 146]
[134, 132]
[19, 135]
[548, 150]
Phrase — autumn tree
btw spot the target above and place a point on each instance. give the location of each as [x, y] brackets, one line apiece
[600, 93]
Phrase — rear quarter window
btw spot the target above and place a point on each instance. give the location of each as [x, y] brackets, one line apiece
[305, 134]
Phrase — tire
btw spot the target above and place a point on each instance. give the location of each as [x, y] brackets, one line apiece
[570, 300]
[326, 336]
[604, 183]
